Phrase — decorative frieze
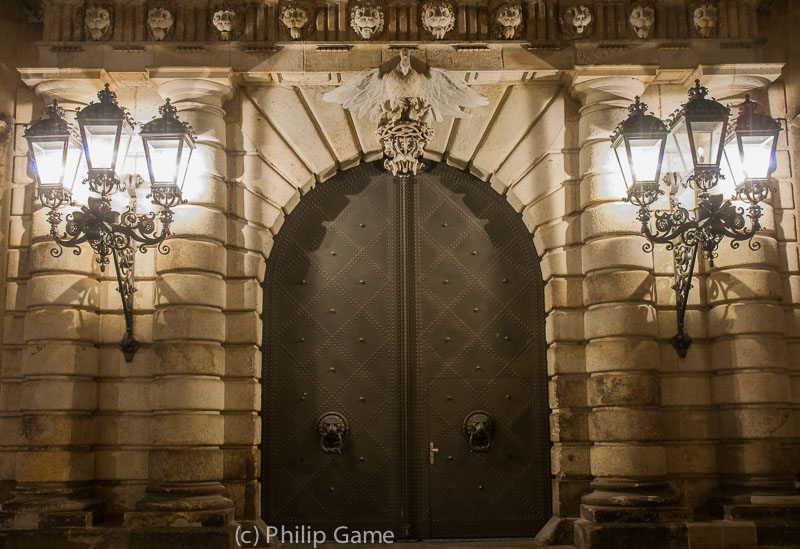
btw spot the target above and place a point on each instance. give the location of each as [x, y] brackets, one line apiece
[544, 21]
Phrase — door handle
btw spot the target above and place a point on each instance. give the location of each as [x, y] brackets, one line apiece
[432, 452]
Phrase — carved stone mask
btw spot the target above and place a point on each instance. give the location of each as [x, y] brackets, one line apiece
[705, 19]
[642, 20]
[159, 21]
[577, 19]
[509, 18]
[224, 21]
[98, 22]
[295, 18]
[366, 19]
[438, 18]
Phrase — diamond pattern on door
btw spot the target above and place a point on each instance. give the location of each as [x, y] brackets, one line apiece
[404, 307]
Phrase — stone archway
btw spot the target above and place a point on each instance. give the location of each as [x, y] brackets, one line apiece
[396, 307]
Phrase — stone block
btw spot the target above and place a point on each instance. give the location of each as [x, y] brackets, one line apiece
[740, 284]
[564, 325]
[205, 184]
[254, 208]
[122, 429]
[55, 465]
[56, 429]
[616, 354]
[241, 463]
[130, 395]
[624, 460]
[686, 389]
[42, 260]
[244, 294]
[59, 394]
[198, 222]
[567, 391]
[242, 394]
[194, 255]
[563, 292]
[60, 358]
[688, 459]
[180, 465]
[192, 323]
[243, 328]
[187, 428]
[14, 329]
[757, 423]
[629, 319]
[766, 255]
[569, 459]
[17, 262]
[569, 425]
[608, 218]
[191, 358]
[616, 251]
[21, 200]
[242, 234]
[116, 464]
[618, 285]
[688, 424]
[242, 428]
[560, 262]
[112, 327]
[751, 387]
[665, 293]
[187, 393]
[19, 231]
[566, 358]
[555, 205]
[557, 234]
[612, 425]
[243, 361]
[545, 179]
[695, 324]
[753, 457]
[244, 264]
[190, 289]
[109, 299]
[745, 318]
[333, 124]
[623, 389]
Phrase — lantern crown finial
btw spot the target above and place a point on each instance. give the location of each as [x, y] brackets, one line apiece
[167, 123]
[54, 123]
[698, 91]
[106, 95]
[637, 107]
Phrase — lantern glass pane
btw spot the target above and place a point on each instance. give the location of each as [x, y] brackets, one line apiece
[163, 159]
[125, 139]
[99, 142]
[707, 137]
[757, 155]
[183, 166]
[621, 152]
[682, 158]
[48, 157]
[645, 154]
[732, 167]
[75, 164]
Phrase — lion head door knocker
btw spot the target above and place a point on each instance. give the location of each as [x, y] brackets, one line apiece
[159, 21]
[332, 429]
[642, 19]
[705, 19]
[226, 22]
[478, 427]
[296, 18]
[366, 18]
[576, 21]
[97, 21]
[508, 20]
[438, 18]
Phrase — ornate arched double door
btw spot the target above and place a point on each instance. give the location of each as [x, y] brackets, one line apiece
[404, 382]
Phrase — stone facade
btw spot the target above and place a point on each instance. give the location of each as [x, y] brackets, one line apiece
[649, 450]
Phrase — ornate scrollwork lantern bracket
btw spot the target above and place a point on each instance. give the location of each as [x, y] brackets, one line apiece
[702, 139]
[58, 156]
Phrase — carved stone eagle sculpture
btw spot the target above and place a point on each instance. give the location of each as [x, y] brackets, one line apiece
[403, 81]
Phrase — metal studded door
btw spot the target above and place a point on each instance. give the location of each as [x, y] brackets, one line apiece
[404, 371]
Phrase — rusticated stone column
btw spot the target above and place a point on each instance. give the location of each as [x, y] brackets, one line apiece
[54, 468]
[187, 394]
[630, 504]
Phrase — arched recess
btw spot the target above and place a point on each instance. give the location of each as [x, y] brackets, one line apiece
[401, 319]
[533, 165]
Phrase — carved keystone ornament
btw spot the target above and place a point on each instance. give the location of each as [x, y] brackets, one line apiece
[402, 95]
[508, 20]
[226, 21]
[577, 21]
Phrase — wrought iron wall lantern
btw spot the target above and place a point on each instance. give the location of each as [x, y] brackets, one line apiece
[60, 156]
[699, 143]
